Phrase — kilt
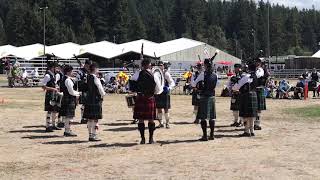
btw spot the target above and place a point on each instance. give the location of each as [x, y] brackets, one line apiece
[207, 108]
[93, 110]
[235, 100]
[68, 106]
[145, 108]
[82, 98]
[248, 104]
[195, 100]
[261, 99]
[163, 101]
[312, 85]
[47, 106]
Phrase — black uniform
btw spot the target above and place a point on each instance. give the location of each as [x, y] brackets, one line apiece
[195, 94]
[93, 103]
[68, 104]
[248, 98]
[234, 105]
[163, 99]
[82, 84]
[50, 94]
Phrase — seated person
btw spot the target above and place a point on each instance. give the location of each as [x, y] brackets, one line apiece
[112, 85]
[101, 78]
[299, 89]
[284, 89]
[24, 76]
[271, 86]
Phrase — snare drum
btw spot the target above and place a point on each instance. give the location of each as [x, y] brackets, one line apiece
[131, 100]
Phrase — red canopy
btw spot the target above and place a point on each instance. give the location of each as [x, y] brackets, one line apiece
[224, 62]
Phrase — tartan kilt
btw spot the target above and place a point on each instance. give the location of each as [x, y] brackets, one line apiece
[47, 106]
[312, 85]
[248, 104]
[93, 110]
[163, 101]
[207, 108]
[145, 108]
[195, 100]
[68, 106]
[235, 101]
[261, 99]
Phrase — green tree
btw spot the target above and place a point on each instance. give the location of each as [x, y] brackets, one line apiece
[85, 33]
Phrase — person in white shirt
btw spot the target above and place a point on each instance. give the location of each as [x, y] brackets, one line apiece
[261, 80]
[148, 85]
[93, 103]
[248, 99]
[163, 99]
[68, 104]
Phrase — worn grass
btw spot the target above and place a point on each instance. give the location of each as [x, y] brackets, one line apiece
[308, 111]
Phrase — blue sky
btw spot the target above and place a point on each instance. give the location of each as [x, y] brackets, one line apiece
[298, 3]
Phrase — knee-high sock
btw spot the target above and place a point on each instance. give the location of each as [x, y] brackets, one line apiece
[48, 119]
[257, 120]
[95, 127]
[141, 128]
[90, 125]
[212, 124]
[204, 127]
[152, 128]
[235, 116]
[82, 110]
[167, 117]
[251, 124]
[67, 125]
[160, 117]
[54, 116]
[247, 125]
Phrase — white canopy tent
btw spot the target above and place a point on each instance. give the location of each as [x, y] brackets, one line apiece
[317, 55]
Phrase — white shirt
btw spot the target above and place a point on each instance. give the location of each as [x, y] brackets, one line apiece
[259, 72]
[69, 84]
[97, 82]
[168, 77]
[24, 74]
[35, 74]
[245, 79]
[199, 78]
[58, 77]
[46, 78]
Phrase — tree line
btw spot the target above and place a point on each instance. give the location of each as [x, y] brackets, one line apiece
[236, 26]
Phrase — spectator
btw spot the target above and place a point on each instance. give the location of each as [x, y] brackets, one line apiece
[299, 89]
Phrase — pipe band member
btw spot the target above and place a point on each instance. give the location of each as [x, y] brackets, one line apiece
[207, 109]
[50, 86]
[148, 84]
[314, 76]
[195, 93]
[69, 100]
[234, 105]
[82, 86]
[262, 80]
[248, 99]
[59, 74]
[93, 103]
[163, 99]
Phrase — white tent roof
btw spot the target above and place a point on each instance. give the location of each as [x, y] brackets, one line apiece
[103, 49]
[149, 47]
[317, 55]
[28, 52]
[6, 50]
[65, 50]
[176, 45]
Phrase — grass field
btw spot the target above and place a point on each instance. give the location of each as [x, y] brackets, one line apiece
[286, 148]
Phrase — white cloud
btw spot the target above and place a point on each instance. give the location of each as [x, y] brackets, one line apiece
[298, 3]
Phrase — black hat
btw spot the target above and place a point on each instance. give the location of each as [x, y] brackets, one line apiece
[160, 63]
[67, 68]
[51, 64]
[88, 62]
[237, 66]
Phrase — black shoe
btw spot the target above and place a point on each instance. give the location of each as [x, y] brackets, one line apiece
[69, 134]
[245, 134]
[204, 138]
[60, 125]
[160, 126]
[167, 126]
[143, 141]
[49, 129]
[83, 121]
[211, 137]
[94, 139]
[151, 141]
[134, 121]
[238, 125]
[234, 124]
[252, 134]
[56, 128]
[257, 127]
[197, 121]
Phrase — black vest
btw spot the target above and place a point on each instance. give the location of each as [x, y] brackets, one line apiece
[209, 84]
[314, 76]
[64, 88]
[252, 86]
[82, 84]
[61, 80]
[52, 82]
[93, 94]
[146, 84]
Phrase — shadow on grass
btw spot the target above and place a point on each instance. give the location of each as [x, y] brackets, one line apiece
[41, 137]
[222, 126]
[116, 124]
[113, 145]
[229, 130]
[29, 131]
[66, 142]
[120, 129]
[125, 120]
[177, 141]
[182, 123]
[39, 126]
